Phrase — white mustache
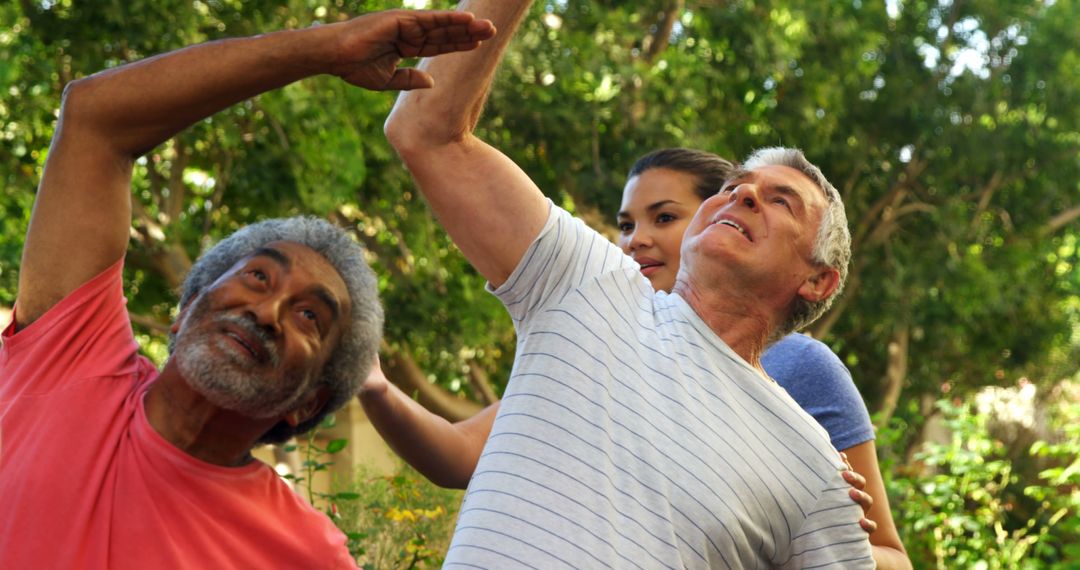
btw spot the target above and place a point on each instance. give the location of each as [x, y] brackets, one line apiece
[248, 325]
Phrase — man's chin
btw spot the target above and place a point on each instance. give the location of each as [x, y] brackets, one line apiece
[228, 385]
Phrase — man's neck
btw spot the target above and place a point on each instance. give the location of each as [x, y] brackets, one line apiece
[738, 320]
[195, 426]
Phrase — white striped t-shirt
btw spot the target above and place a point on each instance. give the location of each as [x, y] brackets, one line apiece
[631, 436]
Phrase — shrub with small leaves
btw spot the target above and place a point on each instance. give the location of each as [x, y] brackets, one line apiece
[969, 509]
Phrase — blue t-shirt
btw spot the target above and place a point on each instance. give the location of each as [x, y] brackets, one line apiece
[822, 385]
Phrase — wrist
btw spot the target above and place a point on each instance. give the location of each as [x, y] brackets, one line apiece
[302, 53]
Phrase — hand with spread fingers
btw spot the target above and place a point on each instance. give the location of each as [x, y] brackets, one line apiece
[372, 46]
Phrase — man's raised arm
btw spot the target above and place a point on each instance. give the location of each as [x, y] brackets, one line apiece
[82, 212]
[488, 205]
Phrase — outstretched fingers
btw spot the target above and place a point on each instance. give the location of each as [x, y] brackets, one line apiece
[424, 33]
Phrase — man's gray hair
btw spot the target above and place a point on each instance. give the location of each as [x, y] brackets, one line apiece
[832, 247]
[351, 361]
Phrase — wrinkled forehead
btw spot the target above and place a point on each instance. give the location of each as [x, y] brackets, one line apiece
[307, 266]
[777, 175]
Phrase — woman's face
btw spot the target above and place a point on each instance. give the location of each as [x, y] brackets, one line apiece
[656, 207]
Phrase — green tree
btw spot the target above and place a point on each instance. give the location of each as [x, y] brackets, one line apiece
[951, 128]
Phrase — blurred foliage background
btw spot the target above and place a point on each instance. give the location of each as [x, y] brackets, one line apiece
[951, 128]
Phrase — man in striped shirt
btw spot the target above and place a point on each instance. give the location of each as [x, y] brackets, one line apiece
[638, 429]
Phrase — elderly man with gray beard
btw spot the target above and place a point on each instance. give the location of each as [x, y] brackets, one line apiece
[638, 428]
[106, 463]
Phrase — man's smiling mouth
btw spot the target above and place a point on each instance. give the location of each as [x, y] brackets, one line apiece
[737, 226]
[258, 354]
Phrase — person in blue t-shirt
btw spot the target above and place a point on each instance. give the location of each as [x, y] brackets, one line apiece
[663, 191]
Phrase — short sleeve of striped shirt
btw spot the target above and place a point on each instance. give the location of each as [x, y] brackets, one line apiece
[566, 254]
[830, 535]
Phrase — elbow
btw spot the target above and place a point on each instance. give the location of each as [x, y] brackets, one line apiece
[450, 480]
[74, 103]
[417, 138]
[402, 134]
[84, 119]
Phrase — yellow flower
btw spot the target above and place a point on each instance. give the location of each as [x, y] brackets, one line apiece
[397, 515]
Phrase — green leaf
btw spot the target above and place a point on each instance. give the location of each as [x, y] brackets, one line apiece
[336, 445]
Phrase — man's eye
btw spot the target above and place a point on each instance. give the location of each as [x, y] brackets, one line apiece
[782, 202]
[727, 189]
[310, 315]
[258, 274]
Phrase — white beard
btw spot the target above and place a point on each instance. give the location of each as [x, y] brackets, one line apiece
[225, 380]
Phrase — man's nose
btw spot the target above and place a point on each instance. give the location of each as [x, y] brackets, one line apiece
[267, 313]
[746, 195]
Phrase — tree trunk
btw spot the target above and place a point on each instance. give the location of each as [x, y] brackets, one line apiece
[480, 382]
[895, 373]
[926, 410]
[404, 372]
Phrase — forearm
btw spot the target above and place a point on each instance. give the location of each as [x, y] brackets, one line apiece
[889, 558]
[888, 550]
[450, 112]
[83, 202]
[443, 452]
[135, 107]
[488, 205]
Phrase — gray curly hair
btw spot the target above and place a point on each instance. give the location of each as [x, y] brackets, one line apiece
[832, 247]
[352, 359]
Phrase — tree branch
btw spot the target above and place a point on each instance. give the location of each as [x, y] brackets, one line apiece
[403, 371]
[480, 382]
[984, 201]
[892, 198]
[174, 204]
[150, 322]
[1059, 221]
[658, 41]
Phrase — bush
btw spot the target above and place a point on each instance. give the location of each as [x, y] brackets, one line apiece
[398, 521]
[969, 509]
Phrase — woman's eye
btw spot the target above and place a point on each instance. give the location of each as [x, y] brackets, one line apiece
[626, 227]
[664, 218]
[258, 275]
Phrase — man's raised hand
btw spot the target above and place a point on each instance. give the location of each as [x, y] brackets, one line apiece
[372, 46]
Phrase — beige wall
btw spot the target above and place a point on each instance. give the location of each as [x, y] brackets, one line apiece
[366, 449]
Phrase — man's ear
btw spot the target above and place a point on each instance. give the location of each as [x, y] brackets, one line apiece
[307, 408]
[175, 326]
[820, 284]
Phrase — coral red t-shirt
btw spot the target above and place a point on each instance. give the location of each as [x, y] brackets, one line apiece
[86, 482]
